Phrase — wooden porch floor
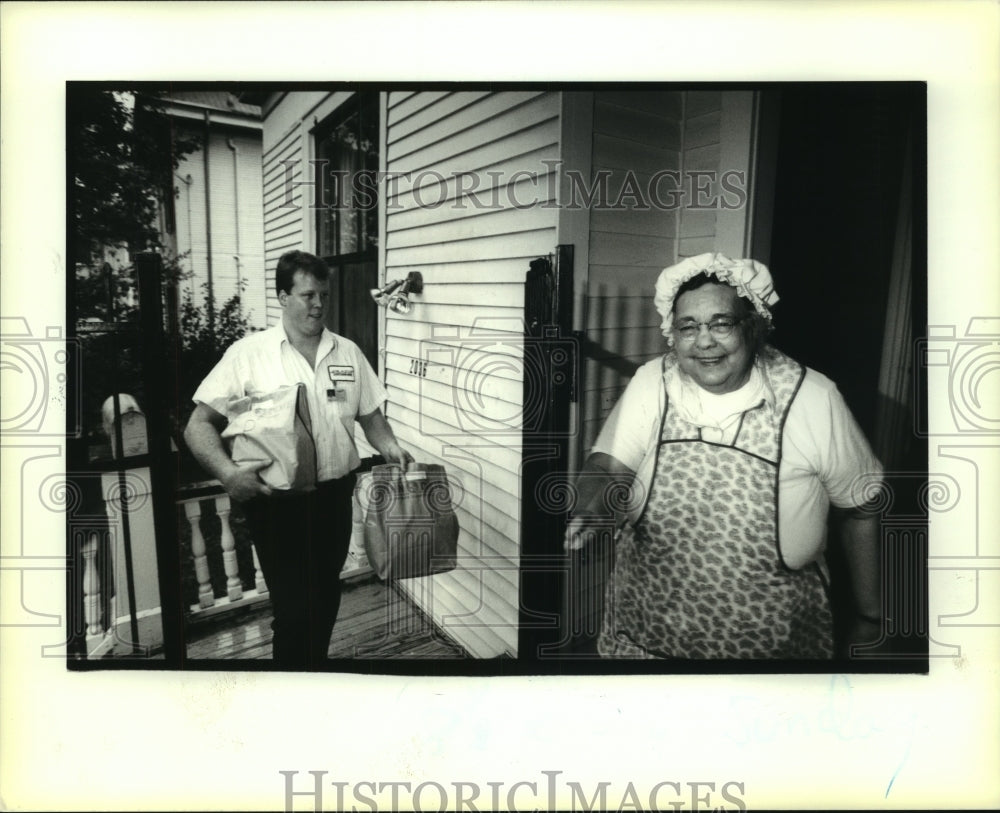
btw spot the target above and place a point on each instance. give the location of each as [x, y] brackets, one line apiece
[376, 621]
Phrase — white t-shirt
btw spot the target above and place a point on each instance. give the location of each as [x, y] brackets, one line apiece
[825, 457]
[263, 362]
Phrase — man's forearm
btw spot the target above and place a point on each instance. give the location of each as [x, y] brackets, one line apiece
[380, 435]
[206, 445]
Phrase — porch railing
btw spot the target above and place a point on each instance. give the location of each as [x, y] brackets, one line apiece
[194, 499]
[242, 582]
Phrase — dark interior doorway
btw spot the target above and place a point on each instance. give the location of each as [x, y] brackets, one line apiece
[841, 151]
[845, 157]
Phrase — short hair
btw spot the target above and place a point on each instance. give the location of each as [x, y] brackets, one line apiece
[754, 327]
[292, 261]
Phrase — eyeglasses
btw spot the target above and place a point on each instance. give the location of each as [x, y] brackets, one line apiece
[720, 328]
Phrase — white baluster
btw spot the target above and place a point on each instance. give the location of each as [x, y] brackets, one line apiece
[91, 587]
[234, 587]
[258, 574]
[206, 598]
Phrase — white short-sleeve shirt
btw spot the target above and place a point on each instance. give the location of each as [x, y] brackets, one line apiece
[825, 456]
[263, 362]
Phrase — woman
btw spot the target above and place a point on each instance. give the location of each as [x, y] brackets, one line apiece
[733, 453]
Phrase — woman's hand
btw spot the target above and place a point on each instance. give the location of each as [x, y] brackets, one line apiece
[863, 632]
[580, 532]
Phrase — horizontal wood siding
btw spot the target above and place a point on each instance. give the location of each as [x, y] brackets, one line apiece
[470, 203]
[285, 170]
[702, 131]
[636, 136]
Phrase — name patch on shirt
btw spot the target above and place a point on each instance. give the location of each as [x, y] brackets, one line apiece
[340, 373]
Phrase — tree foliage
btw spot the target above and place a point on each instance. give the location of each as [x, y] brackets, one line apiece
[202, 344]
[122, 151]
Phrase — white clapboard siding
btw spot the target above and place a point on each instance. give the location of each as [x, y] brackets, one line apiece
[284, 227]
[702, 133]
[463, 248]
[504, 185]
[484, 410]
[498, 271]
[527, 150]
[477, 349]
[402, 105]
[465, 225]
[638, 136]
[702, 130]
[454, 364]
[441, 141]
[282, 166]
[287, 177]
[436, 107]
[480, 373]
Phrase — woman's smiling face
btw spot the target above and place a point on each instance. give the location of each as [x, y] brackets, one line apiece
[719, 365]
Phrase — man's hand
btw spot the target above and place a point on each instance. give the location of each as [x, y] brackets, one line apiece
[243, 482]
[380, 435]
[399, 456]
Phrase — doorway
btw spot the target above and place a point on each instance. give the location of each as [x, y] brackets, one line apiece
[847, 250]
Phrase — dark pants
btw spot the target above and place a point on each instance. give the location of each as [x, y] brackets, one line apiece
[302, 541]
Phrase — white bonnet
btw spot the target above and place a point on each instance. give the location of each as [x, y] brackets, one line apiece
[750, 278]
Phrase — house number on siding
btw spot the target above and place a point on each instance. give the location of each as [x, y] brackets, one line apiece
[418, 367]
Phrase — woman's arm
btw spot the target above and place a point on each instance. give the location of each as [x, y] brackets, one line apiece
[859, 536]
[601, 474]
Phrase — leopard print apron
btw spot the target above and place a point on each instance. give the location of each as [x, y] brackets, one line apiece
[701, 573]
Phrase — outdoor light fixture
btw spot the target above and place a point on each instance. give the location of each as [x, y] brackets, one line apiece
[396, 294]
[381, 295]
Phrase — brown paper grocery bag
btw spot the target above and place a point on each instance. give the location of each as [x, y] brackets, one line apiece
[275, 426]
[410, 523]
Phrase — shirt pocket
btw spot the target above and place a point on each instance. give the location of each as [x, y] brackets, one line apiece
[343, 409]
[352, 394]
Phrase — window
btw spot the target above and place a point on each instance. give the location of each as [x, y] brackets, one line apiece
[347, 217]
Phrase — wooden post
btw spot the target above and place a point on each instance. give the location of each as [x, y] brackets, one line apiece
[206, 598]
[234, 587]
[91, 587]
[258, 575]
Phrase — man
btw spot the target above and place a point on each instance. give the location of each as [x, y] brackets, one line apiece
[301, 538]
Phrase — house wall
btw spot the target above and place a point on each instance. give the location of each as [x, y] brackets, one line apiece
[719, 137]
[236, 219]
[283, 202]
[473, 251]
[638, 133]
